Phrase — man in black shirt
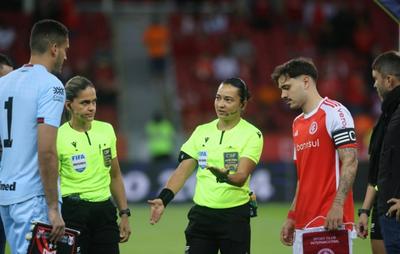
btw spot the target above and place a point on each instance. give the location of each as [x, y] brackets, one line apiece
[385, 145]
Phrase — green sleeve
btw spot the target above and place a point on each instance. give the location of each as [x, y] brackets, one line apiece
[113, 143]
[190, 146]
[254, 147]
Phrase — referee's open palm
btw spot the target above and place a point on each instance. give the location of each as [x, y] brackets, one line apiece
[156, 210]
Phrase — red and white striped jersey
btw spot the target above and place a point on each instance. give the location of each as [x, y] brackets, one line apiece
[317, 136]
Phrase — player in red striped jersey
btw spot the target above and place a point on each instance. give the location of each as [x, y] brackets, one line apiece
[325, 154]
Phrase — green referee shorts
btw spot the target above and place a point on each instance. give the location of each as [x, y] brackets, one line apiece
[97, 222]
[212, 230]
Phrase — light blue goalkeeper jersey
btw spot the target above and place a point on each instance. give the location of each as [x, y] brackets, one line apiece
[29, 96]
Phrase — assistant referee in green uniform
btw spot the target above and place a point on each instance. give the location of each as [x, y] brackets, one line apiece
[224, 152]
[90, 174]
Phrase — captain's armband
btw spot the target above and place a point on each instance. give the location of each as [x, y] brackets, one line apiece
[344, 137]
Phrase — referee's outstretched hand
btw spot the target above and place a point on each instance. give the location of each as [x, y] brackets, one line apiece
[220, 174]
[156, 210]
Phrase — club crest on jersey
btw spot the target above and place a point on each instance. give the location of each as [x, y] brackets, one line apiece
[79, 162]
[313, 128]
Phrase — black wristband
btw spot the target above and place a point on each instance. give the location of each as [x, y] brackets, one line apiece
[361, 211]
[166, 195]
[126, 211]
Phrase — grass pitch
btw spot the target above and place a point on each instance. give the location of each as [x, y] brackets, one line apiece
[167, 237]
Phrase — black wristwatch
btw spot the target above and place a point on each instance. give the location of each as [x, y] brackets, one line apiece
[361, 211]
[126, 211]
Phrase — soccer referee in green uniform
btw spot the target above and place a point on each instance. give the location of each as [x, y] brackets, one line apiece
[224, 152]
[90, 174]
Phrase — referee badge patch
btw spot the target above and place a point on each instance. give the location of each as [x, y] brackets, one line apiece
[79, 162]
[231, 160]
[107, 157]
[202, 160]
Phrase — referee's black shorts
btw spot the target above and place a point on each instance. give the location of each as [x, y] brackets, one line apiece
[210, 230]
[97, 222]
[375, 231]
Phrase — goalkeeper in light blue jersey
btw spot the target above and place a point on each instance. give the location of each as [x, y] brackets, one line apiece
[31, 104]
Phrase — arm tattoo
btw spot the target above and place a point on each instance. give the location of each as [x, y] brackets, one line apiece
[348, 158]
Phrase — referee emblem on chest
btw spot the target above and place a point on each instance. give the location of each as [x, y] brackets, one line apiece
[313, 128]
[79, 162]
[231, 160]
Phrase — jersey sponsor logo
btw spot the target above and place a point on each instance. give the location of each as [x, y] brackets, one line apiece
[205, 141]
[58, 94]
[231, 160]
[342, 117]
[344, 137]
[307, 145]
[79, 162]
[8, 186]
[58, 90]
[202, 160]
[313, 128]
[58, 98]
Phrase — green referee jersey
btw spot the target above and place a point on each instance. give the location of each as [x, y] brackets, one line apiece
[85, 160]
[222, 149]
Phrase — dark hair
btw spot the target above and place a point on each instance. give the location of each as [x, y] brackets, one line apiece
[46, 32]
[387, 63]
[75, 85]
[4, 60]
[72, 89]
[294, 68]
[241, 85]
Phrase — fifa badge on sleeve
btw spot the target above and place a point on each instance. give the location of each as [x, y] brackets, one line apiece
[202, 160]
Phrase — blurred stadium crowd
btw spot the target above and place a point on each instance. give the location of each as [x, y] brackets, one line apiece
[211, 40]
